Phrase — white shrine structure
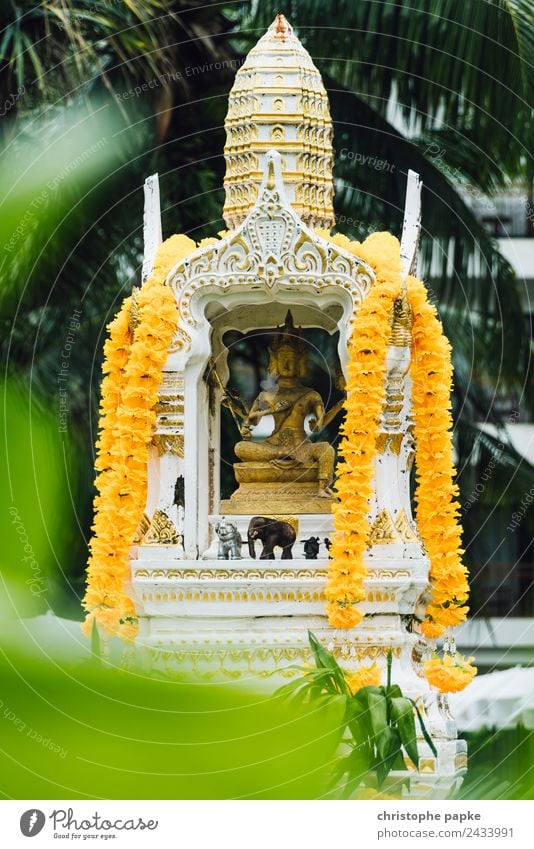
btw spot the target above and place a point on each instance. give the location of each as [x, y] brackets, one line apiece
[249, 617]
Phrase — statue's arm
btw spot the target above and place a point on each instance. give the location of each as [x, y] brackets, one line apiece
[317, 410]
[257, 408]
[333, 411]
[255, 414]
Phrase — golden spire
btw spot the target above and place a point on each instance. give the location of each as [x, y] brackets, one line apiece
[278, 101]
[281, 27]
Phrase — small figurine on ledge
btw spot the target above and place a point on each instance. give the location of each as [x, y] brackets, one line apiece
[273, 533]
[230, 541]
[311, 548]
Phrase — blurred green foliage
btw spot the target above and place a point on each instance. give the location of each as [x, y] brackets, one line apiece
[99, 732]
[500, 764]
[37, 512]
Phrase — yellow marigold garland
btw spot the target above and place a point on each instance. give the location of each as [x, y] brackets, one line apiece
[365, 676]
[133, 366]
[449, 674]
[437, 507]
[366, 378]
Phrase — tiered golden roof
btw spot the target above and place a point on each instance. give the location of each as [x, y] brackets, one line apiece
[279, 101]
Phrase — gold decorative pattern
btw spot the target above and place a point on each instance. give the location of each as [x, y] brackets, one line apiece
[232, 596]
[427, 765]
[142, 528]
[404, 527]
[401, 329]
[291, 520]
[389, 442]
[394, 399]
[460, 761]
[241, 574]
[161, 531]
[134, 307]
[169, 443]
[170, 404]
[172, 382]
[235, 662]
[273, 251]
[383, 531]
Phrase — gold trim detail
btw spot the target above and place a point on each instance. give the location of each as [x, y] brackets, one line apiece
[383, 531]
[460, 760]
[404, 527]
[161, 531]
[389, 442]
[169, 443]
[257, 574]
[142, 528]
[401, 329]
[209, 663]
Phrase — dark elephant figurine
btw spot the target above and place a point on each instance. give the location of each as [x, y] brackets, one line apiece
[311, 548]
[272, 533]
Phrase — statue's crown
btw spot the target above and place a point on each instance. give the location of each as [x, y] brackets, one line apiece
[288, 336]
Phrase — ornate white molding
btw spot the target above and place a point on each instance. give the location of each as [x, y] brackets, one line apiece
[272, 250]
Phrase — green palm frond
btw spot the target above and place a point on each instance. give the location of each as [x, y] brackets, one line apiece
[464, 67]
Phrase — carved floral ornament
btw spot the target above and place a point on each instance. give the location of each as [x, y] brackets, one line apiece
[272, 249]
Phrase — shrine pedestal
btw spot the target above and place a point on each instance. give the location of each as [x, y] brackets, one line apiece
[296, 490]
[248, 621]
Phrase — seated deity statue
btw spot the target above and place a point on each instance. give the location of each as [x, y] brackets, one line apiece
[290, 403]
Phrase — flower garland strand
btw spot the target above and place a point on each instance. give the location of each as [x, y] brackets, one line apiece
[449, 674]
[133, 367]
[105, 578]
[437, 507]
[365, 676]
[366, 386]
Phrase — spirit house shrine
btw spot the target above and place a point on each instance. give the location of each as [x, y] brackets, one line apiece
[240, 506]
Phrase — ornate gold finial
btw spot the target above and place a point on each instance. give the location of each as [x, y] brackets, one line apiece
[281, 27]
[401, 326]
[278, 101]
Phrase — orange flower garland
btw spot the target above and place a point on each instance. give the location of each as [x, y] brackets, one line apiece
[365, 676]
[366, 381]
[104, 596]
[437, 507]
[133, 366]
[450, 674]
